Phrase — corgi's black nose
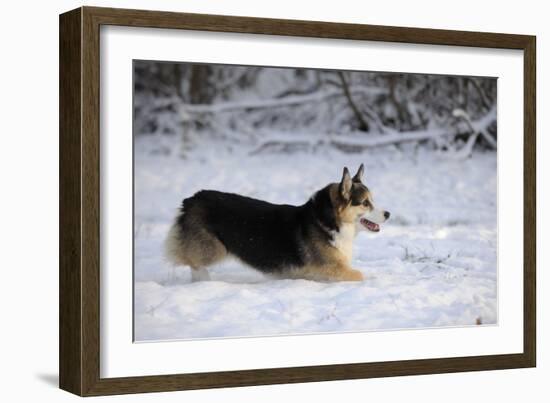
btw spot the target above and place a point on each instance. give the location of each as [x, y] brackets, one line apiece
[386, 214]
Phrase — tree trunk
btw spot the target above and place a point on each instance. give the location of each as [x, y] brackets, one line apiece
[199, 89]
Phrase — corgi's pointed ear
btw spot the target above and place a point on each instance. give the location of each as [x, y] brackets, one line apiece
[359, 175]
[345, 185]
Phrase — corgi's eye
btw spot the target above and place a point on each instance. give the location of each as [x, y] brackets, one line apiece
[366, 203]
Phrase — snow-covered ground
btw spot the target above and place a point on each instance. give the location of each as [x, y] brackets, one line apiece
[433, 264]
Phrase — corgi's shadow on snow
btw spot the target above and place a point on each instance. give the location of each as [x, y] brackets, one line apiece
[216, 278]
[242, 280]
[225, 273]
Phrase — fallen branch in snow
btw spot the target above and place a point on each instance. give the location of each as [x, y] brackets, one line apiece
[357, 141]
[384, 140]
[345, 142]
[360, 141]
[291, 100]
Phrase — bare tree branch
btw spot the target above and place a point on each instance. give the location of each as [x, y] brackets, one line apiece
[481, 92]
[363, 125]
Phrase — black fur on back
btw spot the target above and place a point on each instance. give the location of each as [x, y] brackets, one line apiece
[269, 237]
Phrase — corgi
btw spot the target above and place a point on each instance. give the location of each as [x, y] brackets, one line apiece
[313, 241]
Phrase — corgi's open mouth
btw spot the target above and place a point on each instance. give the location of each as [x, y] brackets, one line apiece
[371, 226]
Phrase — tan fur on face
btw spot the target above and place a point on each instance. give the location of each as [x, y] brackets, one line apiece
[344, 211]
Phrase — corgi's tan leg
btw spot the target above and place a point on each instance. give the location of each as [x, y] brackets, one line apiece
[350, 275]
[327, 273]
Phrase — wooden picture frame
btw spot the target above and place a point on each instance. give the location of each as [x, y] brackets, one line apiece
[79, 317]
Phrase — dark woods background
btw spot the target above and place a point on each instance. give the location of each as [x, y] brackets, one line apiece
[288, 109]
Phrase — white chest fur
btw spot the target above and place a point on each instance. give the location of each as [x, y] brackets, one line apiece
[343, 239]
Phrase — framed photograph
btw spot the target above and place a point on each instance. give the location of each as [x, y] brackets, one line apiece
[249, 201]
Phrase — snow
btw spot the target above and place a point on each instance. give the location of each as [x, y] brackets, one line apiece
[433, 263]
